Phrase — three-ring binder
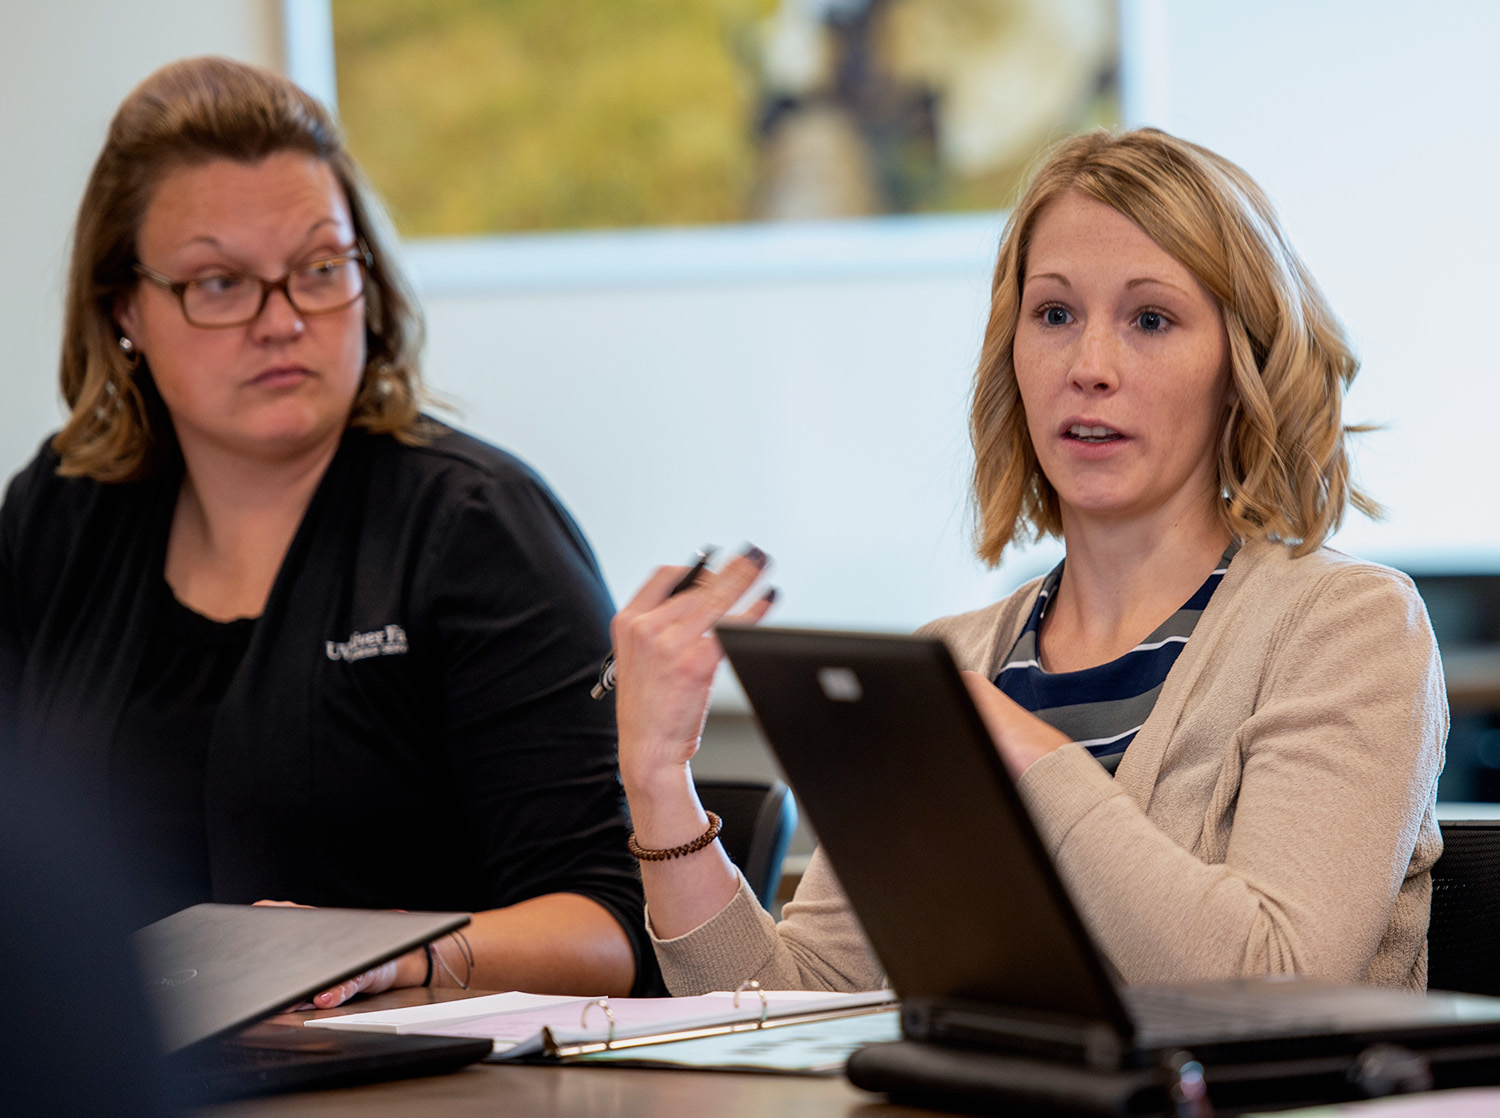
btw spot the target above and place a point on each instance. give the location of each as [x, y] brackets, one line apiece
[558, 1044]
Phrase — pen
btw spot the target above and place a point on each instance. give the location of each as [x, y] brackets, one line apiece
[606, 682]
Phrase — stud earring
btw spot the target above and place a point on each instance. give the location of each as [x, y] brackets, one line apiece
[132, 355]
[126, 344]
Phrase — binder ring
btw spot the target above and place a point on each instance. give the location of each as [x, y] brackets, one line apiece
[602, 1003]
[752, 984]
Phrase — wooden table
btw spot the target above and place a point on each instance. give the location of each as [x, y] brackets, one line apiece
[514, 1091]
[507, 1091]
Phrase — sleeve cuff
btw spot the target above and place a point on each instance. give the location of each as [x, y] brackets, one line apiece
[720, 953]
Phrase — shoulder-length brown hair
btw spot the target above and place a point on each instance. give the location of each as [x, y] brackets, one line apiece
[187, 113]
[1282, 462]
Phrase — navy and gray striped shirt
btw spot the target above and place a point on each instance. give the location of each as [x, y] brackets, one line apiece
[1102, 707]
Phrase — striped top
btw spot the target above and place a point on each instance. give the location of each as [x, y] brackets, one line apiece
[1101, 708]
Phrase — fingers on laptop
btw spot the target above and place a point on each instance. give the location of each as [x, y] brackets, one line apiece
[372, 981]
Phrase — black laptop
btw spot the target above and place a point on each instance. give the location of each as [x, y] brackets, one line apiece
[953, 885]
[214, 969]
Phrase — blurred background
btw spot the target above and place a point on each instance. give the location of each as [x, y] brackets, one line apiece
[563, 114]
[719, 268]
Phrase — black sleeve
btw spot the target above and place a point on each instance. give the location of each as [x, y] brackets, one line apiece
[19, 595]
[519, 613]
[12, 659]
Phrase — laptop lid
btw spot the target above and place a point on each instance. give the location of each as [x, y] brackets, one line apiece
[213, 967]
[927, 832]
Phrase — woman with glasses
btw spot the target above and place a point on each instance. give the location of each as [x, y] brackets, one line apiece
[300, 642]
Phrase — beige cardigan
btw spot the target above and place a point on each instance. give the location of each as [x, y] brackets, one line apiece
[1274, 815]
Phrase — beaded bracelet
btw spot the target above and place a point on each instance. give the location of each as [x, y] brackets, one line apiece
[715, 825]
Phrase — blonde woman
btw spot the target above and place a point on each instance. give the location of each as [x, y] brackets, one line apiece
[1229, 734]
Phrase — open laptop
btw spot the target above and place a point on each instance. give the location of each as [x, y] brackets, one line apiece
[213, 968]
[953, 885]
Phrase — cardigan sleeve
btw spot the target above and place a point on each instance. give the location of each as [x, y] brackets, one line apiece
[520, 615]
[818, 945]
[1328, 787]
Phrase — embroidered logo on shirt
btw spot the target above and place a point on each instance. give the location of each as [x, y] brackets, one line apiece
[390, 641]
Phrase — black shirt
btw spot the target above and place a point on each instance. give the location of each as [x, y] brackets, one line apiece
[161, 748]
[409, 725]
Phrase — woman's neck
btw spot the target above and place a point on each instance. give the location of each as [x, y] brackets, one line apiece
[1122, 580]
[233, 524]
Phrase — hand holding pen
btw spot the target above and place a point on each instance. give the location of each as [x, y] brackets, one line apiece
[606, 682]
[666, 655]
[667, 651]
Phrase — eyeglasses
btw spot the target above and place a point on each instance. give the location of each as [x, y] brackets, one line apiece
[233, 299]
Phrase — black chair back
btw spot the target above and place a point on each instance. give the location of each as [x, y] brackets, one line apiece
[1463, 937]
[759, 818]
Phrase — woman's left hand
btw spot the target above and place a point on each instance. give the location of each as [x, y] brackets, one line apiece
[386, 976]
[405, 970]
[1021, 737]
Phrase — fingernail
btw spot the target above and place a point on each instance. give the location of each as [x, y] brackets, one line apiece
[755, 555]
[770, 595]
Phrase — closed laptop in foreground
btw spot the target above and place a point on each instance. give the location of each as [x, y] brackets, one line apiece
[214, 970]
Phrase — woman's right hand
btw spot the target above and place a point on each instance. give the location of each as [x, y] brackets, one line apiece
[665, 658]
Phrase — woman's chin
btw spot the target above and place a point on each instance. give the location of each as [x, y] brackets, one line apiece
[285, 440]
[1102, 504]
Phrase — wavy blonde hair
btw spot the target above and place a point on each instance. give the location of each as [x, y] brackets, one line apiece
[1282, 460]
[188, 113]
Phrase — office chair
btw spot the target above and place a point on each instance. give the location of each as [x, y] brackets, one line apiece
[1463, 952]
[759, 818]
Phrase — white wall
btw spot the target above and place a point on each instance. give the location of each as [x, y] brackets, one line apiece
[67, 64]
[819, 414]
